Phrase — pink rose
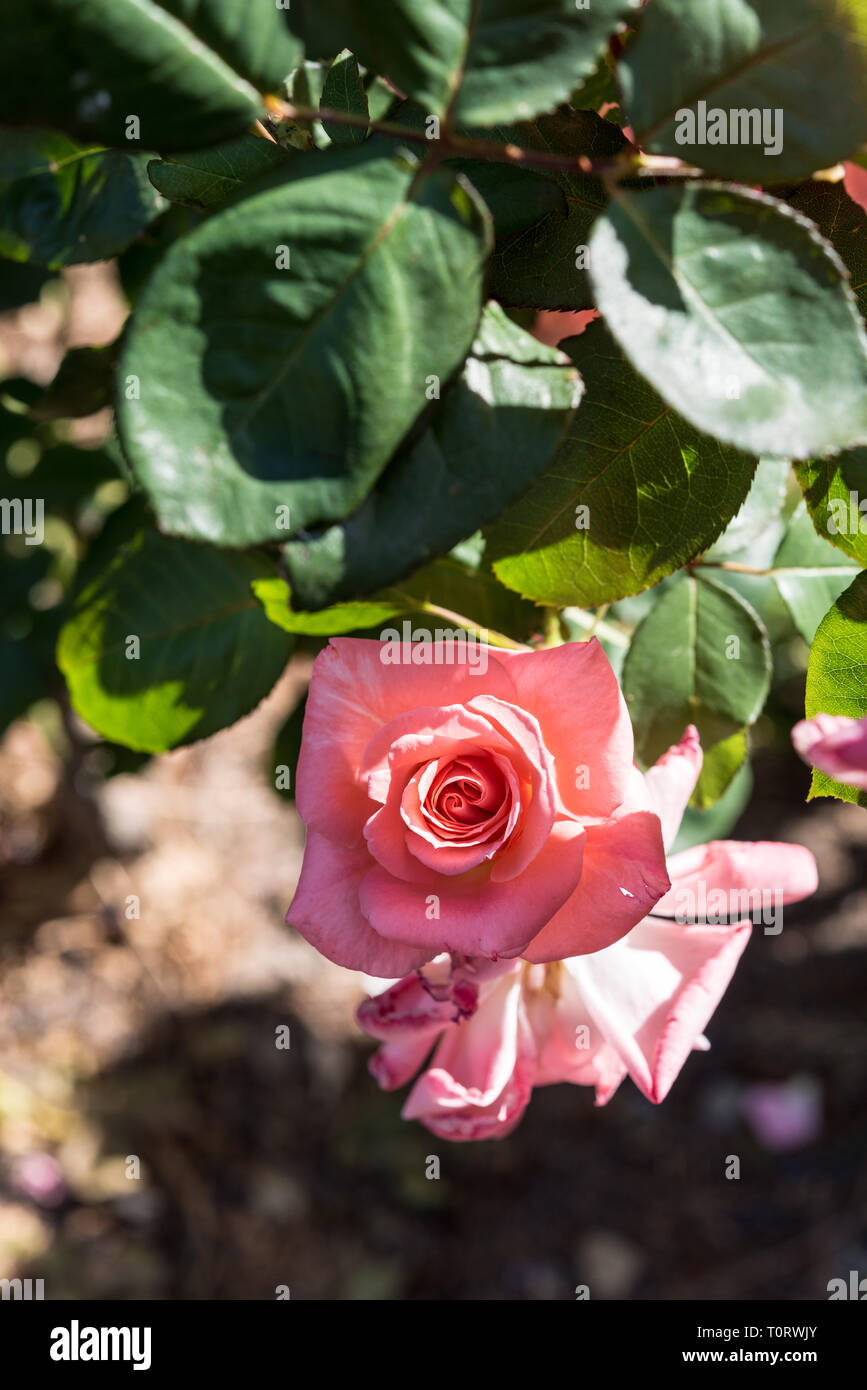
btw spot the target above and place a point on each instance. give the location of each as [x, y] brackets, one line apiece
[637, 1007]
[489, 810]
[836, 745]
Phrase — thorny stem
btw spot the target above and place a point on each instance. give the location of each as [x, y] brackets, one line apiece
[629, 162]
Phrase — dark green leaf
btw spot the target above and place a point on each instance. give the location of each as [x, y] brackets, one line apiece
[492, 434]
[749, 59]
[701, 657]
[631, 495]
[517, 198]
[483, 60]
[62, 203]
[543, 265]
[836, 494]
[459, 589]
[837, 674]
[186, 70]
[284, 348]
[207, 178]
[739, 314]
[600, 90]
[842, 222]
[206, 652]
[344, 91]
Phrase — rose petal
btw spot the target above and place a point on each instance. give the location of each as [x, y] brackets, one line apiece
[325, 910]
[481, 1077]
[352, 694]
[671, 782]
[652, 993]
[477, 916]
[622, 878]
[836, 745]
[574, 694]
[747, 874]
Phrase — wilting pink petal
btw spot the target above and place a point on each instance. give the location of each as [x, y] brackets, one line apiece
[636, 1005]
[671, 782]
[481, 1077]
[836, 745]
[732, 878]
[652, 994]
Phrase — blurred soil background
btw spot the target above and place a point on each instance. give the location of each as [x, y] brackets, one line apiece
[145, 972]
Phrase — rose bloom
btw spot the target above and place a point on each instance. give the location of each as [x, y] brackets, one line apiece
[636, 1007]
[489, 813]
[836, 745]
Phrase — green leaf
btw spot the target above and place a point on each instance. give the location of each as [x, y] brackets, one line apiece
[440, 594]
[207, 653]
[809, 573]
[600, 89]
[760, 521]
[723, 762]
[542, 265]
[842, 222]
[719, 819]
[739, 314]
[344, 91]
[835, 491]
[285, 347]
[837, 674]
[273, 594]
[516, 197]
[806, 59]
[287, 750]
[701, 656]
[484, 61]
[62, 203]
[492, 434]
[188, 70]
[631, 495]
[207, 178]
[469, 591]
